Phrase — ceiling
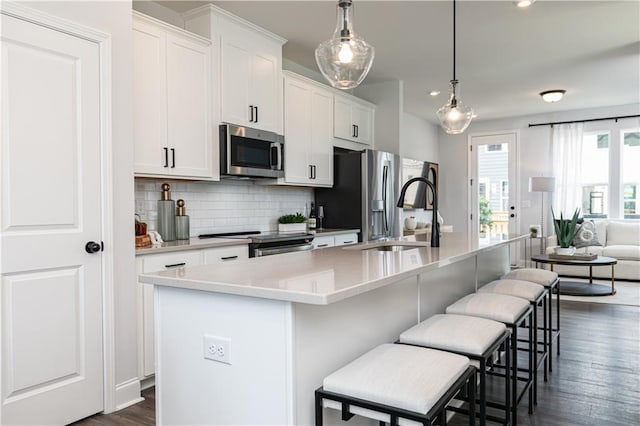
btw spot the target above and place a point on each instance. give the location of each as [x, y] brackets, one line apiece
[505, 55]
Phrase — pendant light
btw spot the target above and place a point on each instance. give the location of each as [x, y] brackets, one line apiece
[454, 117]
[345, 59]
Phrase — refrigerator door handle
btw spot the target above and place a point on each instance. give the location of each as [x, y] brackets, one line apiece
[385, 181]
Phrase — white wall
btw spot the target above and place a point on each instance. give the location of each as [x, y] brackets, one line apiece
[389, 100]
[158, 11]
[115, 18]
[534, 160]
[225, 206]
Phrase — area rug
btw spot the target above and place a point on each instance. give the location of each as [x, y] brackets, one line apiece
[627, 293]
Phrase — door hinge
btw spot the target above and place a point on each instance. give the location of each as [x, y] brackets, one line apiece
[471, 216]
[470, 182]
[471, 148]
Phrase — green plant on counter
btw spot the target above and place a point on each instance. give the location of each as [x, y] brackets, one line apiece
[292, 218]
[566, 229]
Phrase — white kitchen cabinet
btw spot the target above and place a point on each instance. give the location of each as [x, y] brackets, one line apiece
[172, 102]
[165, 261]
[335, 240]
[323, 242]
[353, 119]
[251, 64]
[308, 132]
[345, 239]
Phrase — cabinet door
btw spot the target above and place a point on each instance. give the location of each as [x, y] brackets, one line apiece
[342, 123]
[153, 263]
[263, 92]
[346, 239]
[321, 156]
[236, 68]
[362, 118]
[297, 131]
[149, 100]
[323, 242]
[225, 254]
[189, 108]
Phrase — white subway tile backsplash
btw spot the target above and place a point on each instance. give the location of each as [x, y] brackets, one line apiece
[225, 206]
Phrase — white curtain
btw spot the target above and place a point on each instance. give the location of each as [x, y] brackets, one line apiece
[567, 160]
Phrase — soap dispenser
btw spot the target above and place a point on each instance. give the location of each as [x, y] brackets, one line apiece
[166, 215]
[182, 222]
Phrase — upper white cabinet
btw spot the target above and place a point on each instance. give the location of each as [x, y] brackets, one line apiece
[308, 132]
[172, 102]
[250, 67]
[353, 119]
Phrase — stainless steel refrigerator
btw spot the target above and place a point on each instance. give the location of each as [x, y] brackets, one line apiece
[366, 185]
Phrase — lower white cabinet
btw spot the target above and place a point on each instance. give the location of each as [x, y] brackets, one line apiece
[163, 261]
[335, 240]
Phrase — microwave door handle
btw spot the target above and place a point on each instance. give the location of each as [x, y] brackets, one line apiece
[278, 147]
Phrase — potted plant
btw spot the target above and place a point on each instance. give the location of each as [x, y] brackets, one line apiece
[566, 230]
[534, 231]
[292, 223]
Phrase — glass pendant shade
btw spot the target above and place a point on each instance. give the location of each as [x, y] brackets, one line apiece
[455, 117]
[345, 59]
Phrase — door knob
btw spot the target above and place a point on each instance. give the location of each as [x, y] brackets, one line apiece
[93, 247]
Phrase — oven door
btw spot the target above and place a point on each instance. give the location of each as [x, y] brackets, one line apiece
[253, 153]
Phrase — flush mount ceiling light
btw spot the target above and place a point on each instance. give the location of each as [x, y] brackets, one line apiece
[454, 117]
[524, 3]
[345, 59]
[552, 95]
[434, 92]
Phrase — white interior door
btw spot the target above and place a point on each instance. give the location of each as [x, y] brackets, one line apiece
[51, 288]
[493, 186]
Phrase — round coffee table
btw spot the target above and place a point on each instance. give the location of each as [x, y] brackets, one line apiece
[576, 288]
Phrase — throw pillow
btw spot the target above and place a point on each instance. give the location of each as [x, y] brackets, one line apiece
[586, 235]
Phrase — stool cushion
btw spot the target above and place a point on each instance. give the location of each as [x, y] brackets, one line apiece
[459, 333]
[498, 307]
[401, 376]
[538, 276]
[518, 288]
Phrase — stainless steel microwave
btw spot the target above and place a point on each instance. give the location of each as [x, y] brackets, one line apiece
[250, 152]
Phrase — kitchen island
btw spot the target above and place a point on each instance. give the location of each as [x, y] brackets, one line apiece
[280, 324]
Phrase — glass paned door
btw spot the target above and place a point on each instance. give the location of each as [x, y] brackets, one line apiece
[493, 214]
[631, 174]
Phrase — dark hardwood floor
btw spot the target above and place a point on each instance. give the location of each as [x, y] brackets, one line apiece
[595, 381]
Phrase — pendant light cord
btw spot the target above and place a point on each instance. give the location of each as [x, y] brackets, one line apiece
[454, 39]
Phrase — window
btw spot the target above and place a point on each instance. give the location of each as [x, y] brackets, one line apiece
[631, 174]
[610, 172]
[595, 175]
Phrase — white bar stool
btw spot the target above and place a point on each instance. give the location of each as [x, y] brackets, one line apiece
[476, 338]
[512, 312]
[536, 295]
[551, 283]
[399, 385]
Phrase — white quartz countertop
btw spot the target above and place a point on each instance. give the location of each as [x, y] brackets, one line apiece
[191, 244]
[323, 276]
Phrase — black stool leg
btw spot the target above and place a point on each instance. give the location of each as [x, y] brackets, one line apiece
[532, 366]
[514, 377]
[483, 392]
[318, 409]
[471, 390]
[507, 383]
[545, 327]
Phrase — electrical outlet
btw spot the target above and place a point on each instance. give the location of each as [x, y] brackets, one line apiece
[217, 348]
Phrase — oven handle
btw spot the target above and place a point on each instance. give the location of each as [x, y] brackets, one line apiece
[283, 249]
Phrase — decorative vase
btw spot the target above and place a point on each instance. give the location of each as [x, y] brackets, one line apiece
[565, 251]
[410, 223]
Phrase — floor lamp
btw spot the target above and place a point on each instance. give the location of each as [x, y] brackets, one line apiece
[542, 185]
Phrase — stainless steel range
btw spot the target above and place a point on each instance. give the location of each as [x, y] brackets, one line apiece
[269, 244]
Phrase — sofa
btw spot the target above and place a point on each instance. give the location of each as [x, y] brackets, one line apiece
[619, 239]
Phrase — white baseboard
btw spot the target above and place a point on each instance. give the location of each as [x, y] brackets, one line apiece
[127, 394]
[148, 382]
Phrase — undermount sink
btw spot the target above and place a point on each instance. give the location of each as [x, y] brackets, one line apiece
[394, 247]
